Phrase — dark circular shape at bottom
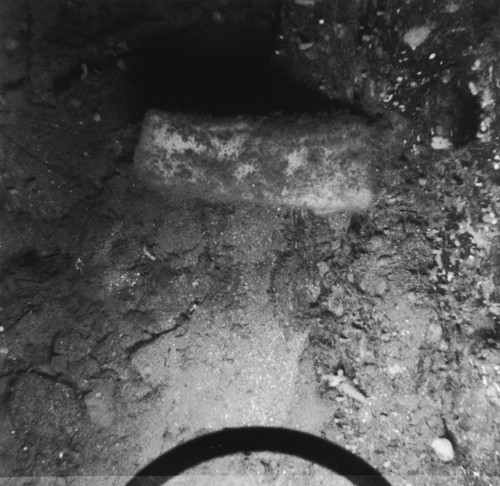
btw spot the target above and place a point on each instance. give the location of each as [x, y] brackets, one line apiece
[258, 439]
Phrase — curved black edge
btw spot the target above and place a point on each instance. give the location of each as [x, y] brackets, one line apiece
[257, 439]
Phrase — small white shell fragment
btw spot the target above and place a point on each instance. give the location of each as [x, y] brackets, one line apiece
[440, 143]
[305, 45]
[416, 36]
[473, 89]
[443, 449]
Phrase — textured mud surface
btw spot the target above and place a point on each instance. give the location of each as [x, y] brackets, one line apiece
[130, 323]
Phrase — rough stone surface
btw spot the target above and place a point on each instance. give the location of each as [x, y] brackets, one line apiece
[322, 164]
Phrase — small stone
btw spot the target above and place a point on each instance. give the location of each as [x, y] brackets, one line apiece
[473, 88]
[434, 332]
[365, 415]
[303, 46]
[10, 44]
[395, 369]
[96, 116]
[338, 310]
[380, 287]
[217, 17]
[89, 368]
[72, 345]
[101, 406]
[120, 64]
[127, 341]
[416, 36]
[452, 8]
[373, 286]
[85, 72]
[59, 364]
[74, 103]
[313, 292]
[443, 449]
[323, 268]
[440, 143]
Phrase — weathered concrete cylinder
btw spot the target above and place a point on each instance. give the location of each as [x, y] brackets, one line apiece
[319, 163]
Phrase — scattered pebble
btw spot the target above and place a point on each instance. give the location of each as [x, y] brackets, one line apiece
[443, 449]
[441, 143]
[473, 89]
[96, 116]
[59, 364]
[416, 36]
[305, 45]
[121, 64]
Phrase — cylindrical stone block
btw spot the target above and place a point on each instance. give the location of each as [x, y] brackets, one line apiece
[320, 163]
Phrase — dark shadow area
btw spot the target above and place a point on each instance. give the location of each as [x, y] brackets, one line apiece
[222, 79]
[467, 119]
[258, 439]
